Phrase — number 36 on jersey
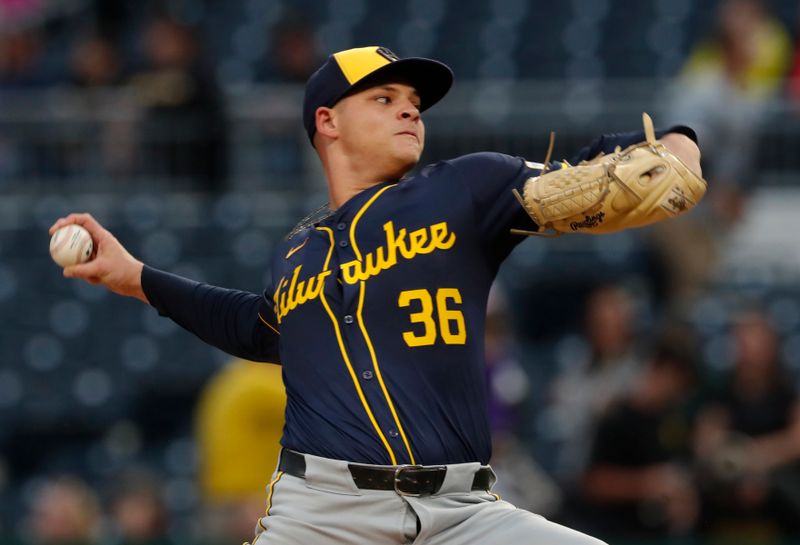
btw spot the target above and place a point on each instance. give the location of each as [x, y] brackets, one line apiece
[433, 316]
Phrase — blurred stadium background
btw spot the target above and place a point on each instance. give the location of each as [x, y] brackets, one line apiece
[177, 124]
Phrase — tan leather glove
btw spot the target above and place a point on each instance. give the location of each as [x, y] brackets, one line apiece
[634, 187]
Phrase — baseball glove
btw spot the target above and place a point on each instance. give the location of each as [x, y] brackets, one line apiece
[634, 187]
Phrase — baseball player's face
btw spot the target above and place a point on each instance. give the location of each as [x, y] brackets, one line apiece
[382, 125]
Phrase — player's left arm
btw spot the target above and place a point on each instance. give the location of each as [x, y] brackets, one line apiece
[679, 139]
[616, 188]
[608, 143]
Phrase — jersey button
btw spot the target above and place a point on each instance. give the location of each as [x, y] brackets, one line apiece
[367, 375]
[348, 319]
[393, 433]
[341, 226]
[343, 243]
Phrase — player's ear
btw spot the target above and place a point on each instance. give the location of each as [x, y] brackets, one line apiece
[326, 122]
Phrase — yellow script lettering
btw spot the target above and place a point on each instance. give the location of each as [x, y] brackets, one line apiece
[420, 241]
[396, 243]
[351, 271]
[298, 293]
[293, 292]
[441, 237]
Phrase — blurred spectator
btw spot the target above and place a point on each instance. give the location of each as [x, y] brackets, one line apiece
[103, 137]
[96, 62]
[509, 388]
[138, 512]
[65, 511]
[184, 130]
[793, 82]
[637, 484]
[585, 390]
[508, 383]
[292, 55]
[21, 69]
[22, 60]
[749, 47]
[686, 253]
[723, 92]
[239, 426]
[747, 444]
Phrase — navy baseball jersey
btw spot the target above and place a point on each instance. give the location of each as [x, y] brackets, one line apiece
[377, 312]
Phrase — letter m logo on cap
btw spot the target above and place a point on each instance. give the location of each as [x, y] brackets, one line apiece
[388, 53]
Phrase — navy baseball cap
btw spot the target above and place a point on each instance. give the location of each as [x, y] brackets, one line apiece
[345, 70]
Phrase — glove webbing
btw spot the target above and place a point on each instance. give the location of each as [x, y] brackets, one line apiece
[521, 201]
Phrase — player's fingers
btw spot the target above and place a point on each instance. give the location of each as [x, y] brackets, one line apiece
[61, 222]
[84, 219]
[88, 221]
[84, 271]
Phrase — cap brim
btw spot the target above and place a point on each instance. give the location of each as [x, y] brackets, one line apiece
[432, 79]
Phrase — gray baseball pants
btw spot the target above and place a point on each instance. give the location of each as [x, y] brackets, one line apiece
[326, 508]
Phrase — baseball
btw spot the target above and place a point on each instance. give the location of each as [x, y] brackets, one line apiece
[71, 245]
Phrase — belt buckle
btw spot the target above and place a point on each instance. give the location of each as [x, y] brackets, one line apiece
[397, 472]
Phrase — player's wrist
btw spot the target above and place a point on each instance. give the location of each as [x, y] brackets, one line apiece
[136, 281]
[129, 282]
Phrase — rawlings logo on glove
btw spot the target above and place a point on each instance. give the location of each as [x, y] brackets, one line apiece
[634, 187]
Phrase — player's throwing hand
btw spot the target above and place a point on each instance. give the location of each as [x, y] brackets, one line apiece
[112, 265]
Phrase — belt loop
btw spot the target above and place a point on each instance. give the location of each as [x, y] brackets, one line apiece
[329, 475]
[459, 478]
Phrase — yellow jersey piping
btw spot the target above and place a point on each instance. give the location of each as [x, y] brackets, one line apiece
[330, 250]
[347, 359]
[266, 323]
[364, 329]
[378, 372]
[358, 217]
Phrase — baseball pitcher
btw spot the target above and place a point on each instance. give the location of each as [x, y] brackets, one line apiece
[376, 313]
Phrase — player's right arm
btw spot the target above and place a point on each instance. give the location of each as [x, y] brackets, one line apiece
[238, 322]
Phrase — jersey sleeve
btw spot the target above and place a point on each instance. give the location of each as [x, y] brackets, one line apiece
[238, 322]
[490, 178]
[608, 142]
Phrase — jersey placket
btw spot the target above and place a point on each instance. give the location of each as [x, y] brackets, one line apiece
[396, 431]
[345, 306]
[357, 353]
